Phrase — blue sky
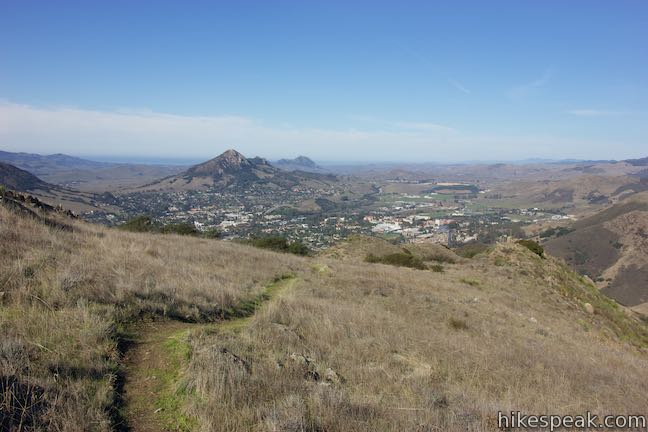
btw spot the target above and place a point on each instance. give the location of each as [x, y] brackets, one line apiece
[365, 80]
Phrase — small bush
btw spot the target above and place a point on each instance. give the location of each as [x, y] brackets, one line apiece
[532, 246]
[298, 248]
[279, 244]
[180, 229]
[147, 224]
[469, 250]
[212, 233]
[442, 259]
[399, 259]
[436, 268]
[140, 224]
[558, 232]
[457, 324]
[471, 282]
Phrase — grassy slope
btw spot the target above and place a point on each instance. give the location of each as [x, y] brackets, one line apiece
[65, 295]
[610, 248]
[507, 331]
[358, 247]
[405, 348]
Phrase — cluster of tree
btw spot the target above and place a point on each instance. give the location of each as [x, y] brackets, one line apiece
[560, 231]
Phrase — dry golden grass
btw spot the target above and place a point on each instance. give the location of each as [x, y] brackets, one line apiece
[416, 350]
[65, 294]
[351, 346]
[358, 247]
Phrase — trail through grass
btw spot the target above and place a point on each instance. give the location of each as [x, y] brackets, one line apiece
[153, 391]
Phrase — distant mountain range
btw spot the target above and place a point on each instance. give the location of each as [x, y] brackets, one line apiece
[16, 179]
[42, 165]
[638, 162]
[232, 169]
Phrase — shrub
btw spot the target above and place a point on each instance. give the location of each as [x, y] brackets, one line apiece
[558, 232]
[436, 268]
[440, 258]
[212, 233]
[298, 248]
[532, 246]
[457, 324]
[147, 224]
[548, 233]
[280, 244]
[399, 259]
[141, 223]
[180, 229]
[469, 250]
[471, 282]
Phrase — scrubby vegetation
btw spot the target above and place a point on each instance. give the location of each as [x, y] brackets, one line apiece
[145, 224]
[436, 268]
[470, 250]
[400, 259]
[279, 244]
[557, 232]
[141, 223]
[533, 246]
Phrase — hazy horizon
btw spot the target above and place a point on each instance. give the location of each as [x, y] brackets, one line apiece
[497, 81]
[178, 161]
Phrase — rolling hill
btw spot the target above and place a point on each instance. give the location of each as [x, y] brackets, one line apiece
[611, 247]
[44, 165]
[20, 180]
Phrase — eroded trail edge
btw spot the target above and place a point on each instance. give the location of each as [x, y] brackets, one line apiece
[153, 395]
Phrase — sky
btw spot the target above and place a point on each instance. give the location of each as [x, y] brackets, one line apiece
[334, 80]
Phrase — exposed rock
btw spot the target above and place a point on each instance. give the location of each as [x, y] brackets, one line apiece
[589, 308]
[330, 376]
[301, 359]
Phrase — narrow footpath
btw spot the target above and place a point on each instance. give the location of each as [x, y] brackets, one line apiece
[155, 363]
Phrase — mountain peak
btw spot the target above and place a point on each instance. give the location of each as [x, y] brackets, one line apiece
[299, 160]
[300, 163]
[227, 162]
[231, 154]
[305, 161]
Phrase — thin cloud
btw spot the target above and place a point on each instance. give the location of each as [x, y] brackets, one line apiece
[459, 86]
[422, 126]
[588, 112]
[527, 89]
[148, 133]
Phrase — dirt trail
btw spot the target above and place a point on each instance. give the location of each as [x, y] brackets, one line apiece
[154, 364]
